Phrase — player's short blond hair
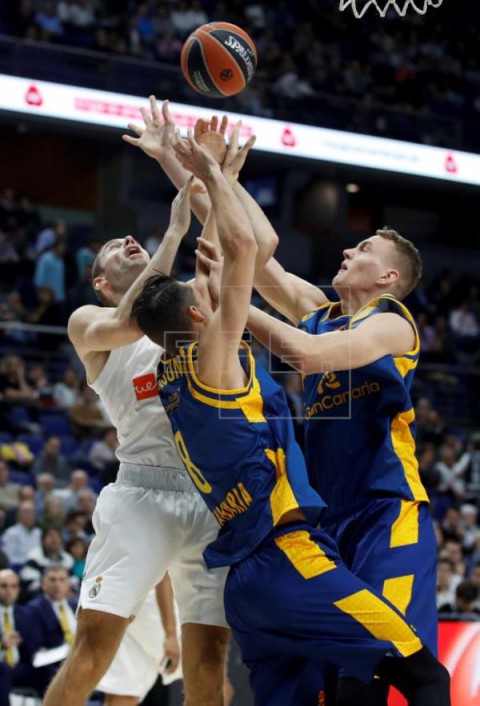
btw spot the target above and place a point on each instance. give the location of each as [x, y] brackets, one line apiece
[409, 260]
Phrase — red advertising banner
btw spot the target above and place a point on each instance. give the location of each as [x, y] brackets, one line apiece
[459, 651]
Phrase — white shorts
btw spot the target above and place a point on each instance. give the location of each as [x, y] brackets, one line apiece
[135, 667]
[152, 520]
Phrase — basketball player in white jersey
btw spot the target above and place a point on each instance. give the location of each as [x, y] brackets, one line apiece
[151, 520]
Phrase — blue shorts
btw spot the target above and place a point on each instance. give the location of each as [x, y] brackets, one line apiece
[293, 606]
[390, 544]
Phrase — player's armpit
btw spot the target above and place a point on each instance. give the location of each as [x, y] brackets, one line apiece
[288, 294]
[94, 328]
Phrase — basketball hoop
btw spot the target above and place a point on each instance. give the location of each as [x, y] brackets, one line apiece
[360, 7]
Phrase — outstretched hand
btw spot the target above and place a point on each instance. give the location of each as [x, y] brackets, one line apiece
[194, 157]
[236, 156]
[155, 138]
[211, 135]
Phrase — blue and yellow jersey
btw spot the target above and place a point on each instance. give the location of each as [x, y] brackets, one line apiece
[239, 448]
[359, 424]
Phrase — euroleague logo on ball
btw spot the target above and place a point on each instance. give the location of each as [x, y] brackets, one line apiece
[218, 59]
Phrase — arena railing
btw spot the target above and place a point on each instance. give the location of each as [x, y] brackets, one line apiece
[93, 69]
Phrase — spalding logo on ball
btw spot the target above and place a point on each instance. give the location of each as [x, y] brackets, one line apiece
[218, 59]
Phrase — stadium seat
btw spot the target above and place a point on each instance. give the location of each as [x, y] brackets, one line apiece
[54, 425]
[70, 446]
[5, 437]
[21, 477]
[19, 415]
[34, 443]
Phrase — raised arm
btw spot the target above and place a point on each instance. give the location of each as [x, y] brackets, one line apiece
[219, 364]
[93, 328]
[378, 336]
[155, 139]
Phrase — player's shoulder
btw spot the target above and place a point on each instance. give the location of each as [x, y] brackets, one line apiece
[320, 312]
[383, 304]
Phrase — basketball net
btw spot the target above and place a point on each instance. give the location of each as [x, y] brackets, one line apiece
[360, 7]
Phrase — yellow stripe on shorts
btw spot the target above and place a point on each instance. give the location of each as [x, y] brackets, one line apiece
[399, 591]
[381, 621]
[305, 554]
[405, 529]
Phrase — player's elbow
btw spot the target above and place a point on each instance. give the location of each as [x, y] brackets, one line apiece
[243, 244]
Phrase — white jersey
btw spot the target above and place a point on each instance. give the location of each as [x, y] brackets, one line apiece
[127, 387]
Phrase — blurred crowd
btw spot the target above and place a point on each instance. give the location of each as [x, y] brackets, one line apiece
[57, 444]
[313, 60]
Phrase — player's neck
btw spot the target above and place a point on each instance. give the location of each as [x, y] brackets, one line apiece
[352, 301]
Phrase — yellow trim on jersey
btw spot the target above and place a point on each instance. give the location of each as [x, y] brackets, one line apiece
[380, 620]
[405, 529]
[404, 364]
[312, 313]
[249, 399]
[220, 391]
[404, 447]
[304, 554]
[399, 591]
[282, 498]
[367, 309]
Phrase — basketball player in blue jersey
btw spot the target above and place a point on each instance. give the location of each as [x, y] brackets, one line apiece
[290, 601]
[358, 357]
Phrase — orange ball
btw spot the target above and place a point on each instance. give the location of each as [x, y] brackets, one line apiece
[219, 59]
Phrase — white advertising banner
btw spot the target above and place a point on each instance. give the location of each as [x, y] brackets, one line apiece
[85, 105]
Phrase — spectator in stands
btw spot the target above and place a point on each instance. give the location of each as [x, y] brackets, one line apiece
[53, 616]
[50, 553]
[8, 211]
[79, 480]
[67, 392]
[74, 527]
[13, 310]
[447, 582]
[85, 256]
[87, 417]
[168, 47]
[45, 486]
[451, 526]
[49, 235]
[77, 548]
[48, 312]
[52, 461]
[470, 529]
[463, 323]
[452, 549]
[22, 537]
[17, 639]
[452, 472]
[102, 454]
[13, 384]
[466, 597]
[50, 270]
[475, 577]
[426, 332]
[86, 500]
[48, 22]
[17, 454]
[9, 492]
[53, 512]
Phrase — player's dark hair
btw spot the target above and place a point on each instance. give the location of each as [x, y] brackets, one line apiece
[409, 257]
[467, 591]
[161, 309]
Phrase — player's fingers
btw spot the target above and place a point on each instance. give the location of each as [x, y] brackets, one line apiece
[208, 245]
[249, 143]
[198, 187]
[167, 118]
[136, 129]
[235, 135]
[154, 109]
[223, 125]
[147, 119]
[214, 123]
[131, 140]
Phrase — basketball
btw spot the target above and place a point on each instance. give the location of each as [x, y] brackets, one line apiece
[219, 59]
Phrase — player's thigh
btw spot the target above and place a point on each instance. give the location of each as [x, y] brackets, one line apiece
[198, 590]
[296, 597]
[392, 547]
[114, 700]
[137, 538]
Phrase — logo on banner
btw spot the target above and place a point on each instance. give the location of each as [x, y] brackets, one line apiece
[33, 96]
[145, 386]
[288, 138]
[451, 164]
